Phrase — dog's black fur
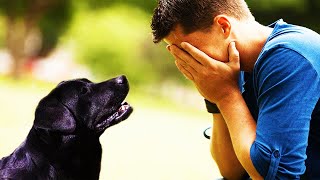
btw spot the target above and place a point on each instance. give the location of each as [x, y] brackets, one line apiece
[63, 142]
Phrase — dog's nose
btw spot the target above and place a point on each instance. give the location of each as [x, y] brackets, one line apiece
[121, 79]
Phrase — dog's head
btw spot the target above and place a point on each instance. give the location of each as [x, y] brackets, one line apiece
[81, 105]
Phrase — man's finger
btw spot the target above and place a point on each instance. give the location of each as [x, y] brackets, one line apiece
[197, 54]
[182, 69]
[185, 56]
[185, 65]
[234, 56]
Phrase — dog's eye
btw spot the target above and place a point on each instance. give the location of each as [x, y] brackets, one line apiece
[84, 90]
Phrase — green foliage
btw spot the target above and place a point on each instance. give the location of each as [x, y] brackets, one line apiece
[301, 12]
[51, 17]
[102, 4]
[2, 32]
[14, 8]
[272, 5]
[117, 40]
[54, 23]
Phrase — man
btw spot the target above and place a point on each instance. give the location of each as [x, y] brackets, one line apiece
[269, 126]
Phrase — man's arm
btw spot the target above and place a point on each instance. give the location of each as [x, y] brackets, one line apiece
[224, 91]
[222, 150]
[242, 129]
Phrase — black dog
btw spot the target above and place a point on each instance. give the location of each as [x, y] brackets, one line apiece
[63, 142]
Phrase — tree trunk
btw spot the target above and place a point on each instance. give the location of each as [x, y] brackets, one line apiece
[23, 38]
[16, 33]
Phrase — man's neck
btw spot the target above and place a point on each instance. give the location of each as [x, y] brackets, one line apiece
[251, 38]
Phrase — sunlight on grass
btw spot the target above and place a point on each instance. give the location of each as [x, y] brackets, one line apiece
[160, 141]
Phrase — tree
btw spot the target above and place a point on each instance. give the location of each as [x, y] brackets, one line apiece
[33, 28]
[147, 6]
[301, 12]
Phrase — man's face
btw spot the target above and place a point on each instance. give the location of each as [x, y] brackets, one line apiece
[210, 42]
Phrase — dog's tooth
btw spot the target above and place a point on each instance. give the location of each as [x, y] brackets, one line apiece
[122, 108]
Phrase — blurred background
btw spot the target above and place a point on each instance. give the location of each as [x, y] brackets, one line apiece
[45, 42]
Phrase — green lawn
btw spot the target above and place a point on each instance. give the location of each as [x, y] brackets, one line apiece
[160, 141]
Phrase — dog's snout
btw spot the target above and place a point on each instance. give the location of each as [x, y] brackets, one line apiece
[121, 79]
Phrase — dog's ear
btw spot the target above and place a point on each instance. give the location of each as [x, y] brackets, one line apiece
[53, 115]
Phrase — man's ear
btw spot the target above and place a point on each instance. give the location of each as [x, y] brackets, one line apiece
[223, 24]
[54, 116]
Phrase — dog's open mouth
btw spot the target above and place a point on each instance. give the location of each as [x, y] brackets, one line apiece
[122, 113]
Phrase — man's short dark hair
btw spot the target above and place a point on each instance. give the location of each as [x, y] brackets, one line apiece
[193, 15]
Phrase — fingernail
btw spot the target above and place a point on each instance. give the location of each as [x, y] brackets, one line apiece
[168, 47]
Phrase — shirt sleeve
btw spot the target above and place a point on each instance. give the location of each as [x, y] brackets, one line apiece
[287, 89]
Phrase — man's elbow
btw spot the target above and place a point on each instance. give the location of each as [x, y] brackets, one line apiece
[231, 174]
[229, 167]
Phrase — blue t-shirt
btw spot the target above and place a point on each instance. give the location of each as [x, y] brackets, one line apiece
[282, 94]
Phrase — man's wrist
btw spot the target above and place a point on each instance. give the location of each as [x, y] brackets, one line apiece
[211, 107]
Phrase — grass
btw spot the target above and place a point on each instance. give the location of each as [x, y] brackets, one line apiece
[162, 140]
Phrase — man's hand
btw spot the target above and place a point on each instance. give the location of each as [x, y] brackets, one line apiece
[213, 79]
[218, 82]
